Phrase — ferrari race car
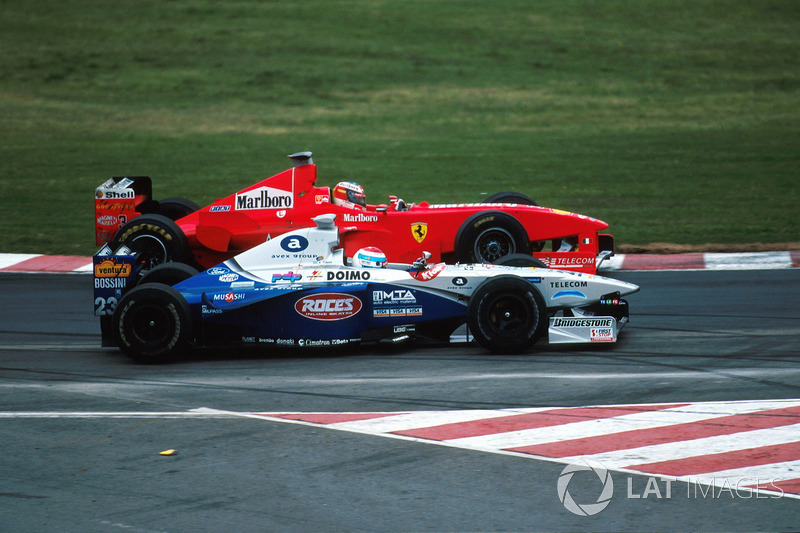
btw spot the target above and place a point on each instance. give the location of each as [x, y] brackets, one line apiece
[300, 290]
[178, 230]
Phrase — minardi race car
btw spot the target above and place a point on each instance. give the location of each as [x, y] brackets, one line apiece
[301, 290]
[178, 230]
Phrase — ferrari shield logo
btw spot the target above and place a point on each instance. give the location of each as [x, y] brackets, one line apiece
[419, 230]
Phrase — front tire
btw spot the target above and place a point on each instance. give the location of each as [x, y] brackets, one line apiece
[487, 236]
[154, 239]
[506, 315]
[152, 324]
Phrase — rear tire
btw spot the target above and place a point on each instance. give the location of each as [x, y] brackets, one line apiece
[506, 315]
[520, 260]
[152, 324]
[509, 197]
[168, 274]
[175, 208]
[487, 236]
[154, 239]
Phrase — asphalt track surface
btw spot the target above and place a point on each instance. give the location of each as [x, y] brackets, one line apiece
[82, 428]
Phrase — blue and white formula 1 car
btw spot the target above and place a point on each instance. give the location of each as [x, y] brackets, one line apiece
[299, 290]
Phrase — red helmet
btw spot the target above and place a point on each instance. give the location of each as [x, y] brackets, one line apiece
[349, 194]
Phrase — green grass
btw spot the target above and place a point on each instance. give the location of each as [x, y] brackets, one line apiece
[674, 121]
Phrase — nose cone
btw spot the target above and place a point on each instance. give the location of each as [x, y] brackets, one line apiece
[614, 285]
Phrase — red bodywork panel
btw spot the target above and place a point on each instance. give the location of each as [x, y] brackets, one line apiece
[290, 200]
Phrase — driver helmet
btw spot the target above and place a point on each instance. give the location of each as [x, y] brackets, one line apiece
[349, 194]
[370, 257]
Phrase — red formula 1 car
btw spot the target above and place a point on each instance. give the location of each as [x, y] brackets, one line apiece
[504, 224]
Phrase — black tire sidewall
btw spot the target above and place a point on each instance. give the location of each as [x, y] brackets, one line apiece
[500, 341]
[171, 305]
[157, 227]
[476, 225]
[520, 260]
[176, 208]
[168, 274]
[509, 197]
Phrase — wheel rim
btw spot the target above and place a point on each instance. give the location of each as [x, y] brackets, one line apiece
[151, 324]
[508, 313]
[493, 244]
[149, 250]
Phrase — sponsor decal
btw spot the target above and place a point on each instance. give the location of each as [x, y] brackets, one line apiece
[111, 269]
[305, 343]
[533, 280]
[602, 335]
[316, 275]
[112, 194]
[565, 284]
[264, 198]
[107, 220]
[281, 213]
[568, 294]
[393, 312]
[349, 275]
[567, 262]
[228, 297]
[217, 271]
[393, 297]
[360, 218]
[459, 282]
[419, 230]
[206, 310]
[295, 243]
[110, 283]
[427, 275]
[228, 278]
[322, 199]
[290, 276]
[568, 322]
[219, 208]
[405, 328]
[328, 306]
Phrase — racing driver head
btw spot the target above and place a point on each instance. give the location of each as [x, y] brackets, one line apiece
[370, 257]
[349, 194]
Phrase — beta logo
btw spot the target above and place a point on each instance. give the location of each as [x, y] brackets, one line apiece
[328, 306]
[295, 243]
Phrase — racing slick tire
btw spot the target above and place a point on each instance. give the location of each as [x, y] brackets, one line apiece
[168, 274]
[154, 239]
[509, 197]
[506, 315]
[520, 260]
[152, 324]
[487, 236]
[175, 208]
